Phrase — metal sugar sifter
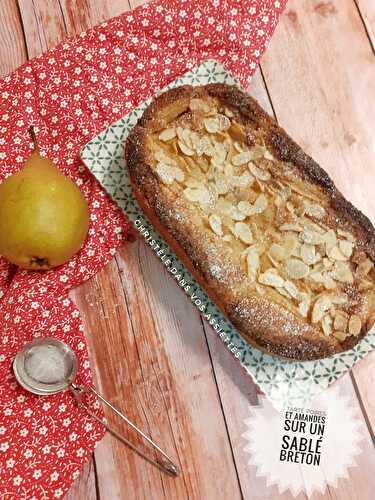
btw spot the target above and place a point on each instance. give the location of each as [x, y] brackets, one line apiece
[48, 366]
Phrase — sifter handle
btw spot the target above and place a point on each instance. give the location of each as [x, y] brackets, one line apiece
[166, 465]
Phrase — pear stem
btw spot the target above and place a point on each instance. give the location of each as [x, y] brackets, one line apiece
[33, 137]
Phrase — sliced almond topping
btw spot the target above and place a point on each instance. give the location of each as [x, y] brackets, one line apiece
[211, 125]
[321, 306]
[277, 252]
[224, 122]
[342, 272]
[215, 223]
[329, 283]
[203, 145]
[297, 269]
[242, 231]
[229, 113]
[283, 292]
[274, 262]
[257, 152]
[268, 155]
[260, 203]
[167, 134]
[282, 252]
[297, 251]
[304, 307]
[311, 237]
[292, 289]
[244, 180]
[193, 183]
[236, 214]
[228, 170]
[355, 325]
[259, 173]
[346, 248]
[327, 325]
[224, 206]
[312, 226]
[166, 173]
[304, 193]
[222, 185]
[316, 276]
[308, 254]
[238, 147]
[364, 267]
[271, 278]
[220, 152]
[188, 137]
[330, 239]
[185, 149]
[201, 195]
[241, 158]
[228, 238]
[340, 335]
[291, 243]
[180, 133]
[341, 321]
[278, 201]
[162, 157]
[291, 227]
[217, 123]
[314, 210]
[246, 208]
[290, 207]
[253, 262]
[339, 298]
[192, 194]
[218, 163]
[179, 174]
[335, 253]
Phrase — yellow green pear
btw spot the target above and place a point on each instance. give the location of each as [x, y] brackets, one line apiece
[44, 217]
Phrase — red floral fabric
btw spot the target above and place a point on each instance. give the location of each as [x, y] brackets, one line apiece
[69, 94]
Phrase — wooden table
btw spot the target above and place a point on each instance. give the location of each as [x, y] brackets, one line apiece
[150, 350]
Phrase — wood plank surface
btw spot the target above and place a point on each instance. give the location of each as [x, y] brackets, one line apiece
[43, 25]
[170, 372]
[84, 488]
[366, 10]
[79, 15]
[12, 47]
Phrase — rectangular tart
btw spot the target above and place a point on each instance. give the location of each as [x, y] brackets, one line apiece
[260, 225]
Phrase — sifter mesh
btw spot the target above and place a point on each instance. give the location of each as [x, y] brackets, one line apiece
[47, 364]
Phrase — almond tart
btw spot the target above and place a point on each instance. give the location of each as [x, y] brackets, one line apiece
[262, 228]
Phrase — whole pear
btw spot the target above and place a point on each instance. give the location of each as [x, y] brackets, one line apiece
[44, 217]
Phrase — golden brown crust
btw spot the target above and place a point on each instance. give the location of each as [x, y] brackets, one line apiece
[264, 324]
